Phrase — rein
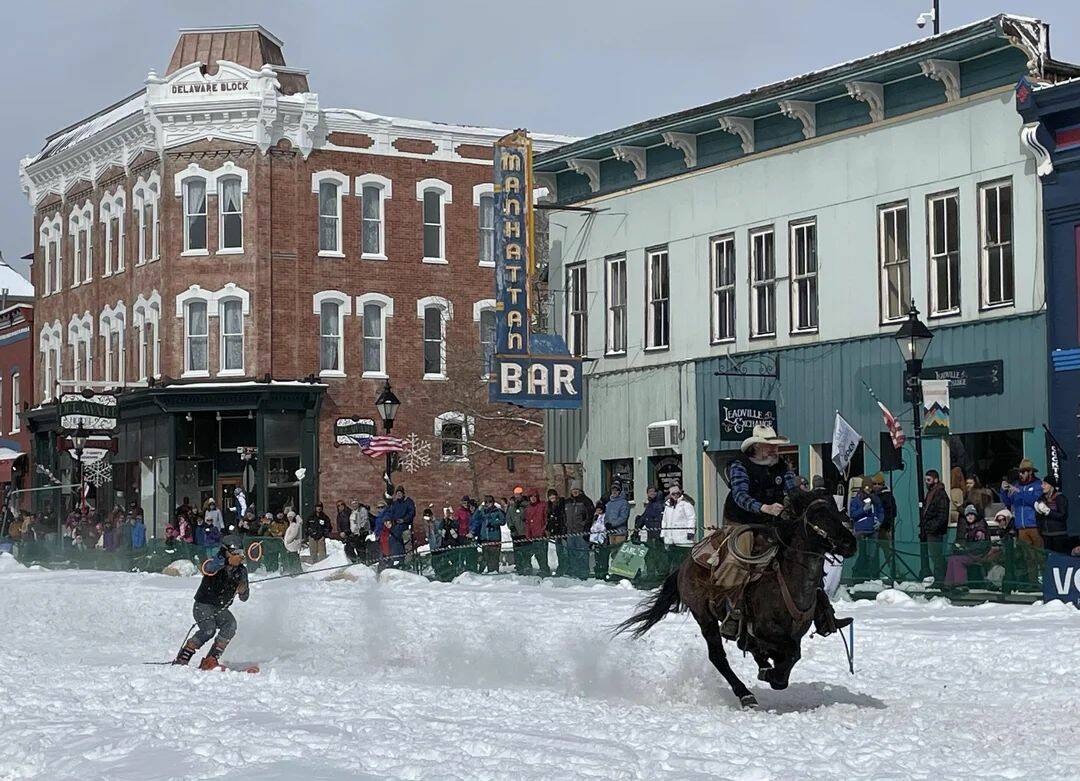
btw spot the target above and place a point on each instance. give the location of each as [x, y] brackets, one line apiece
[798, 614]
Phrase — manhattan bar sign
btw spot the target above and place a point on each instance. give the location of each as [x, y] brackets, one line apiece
[986, 378]
[209, 86]
[530, 370]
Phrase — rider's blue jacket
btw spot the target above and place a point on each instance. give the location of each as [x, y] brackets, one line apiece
[866, 519]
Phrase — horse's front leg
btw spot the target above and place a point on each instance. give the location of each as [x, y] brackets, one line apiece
[710, 630]
[785, 657]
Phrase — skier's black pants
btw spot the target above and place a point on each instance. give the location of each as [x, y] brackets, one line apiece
[213, 620]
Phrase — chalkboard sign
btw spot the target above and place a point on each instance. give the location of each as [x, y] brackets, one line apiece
[739, 416]
[667, 471]
[986, 378]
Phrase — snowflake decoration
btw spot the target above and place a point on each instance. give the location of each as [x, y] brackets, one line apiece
[97, 473]
[417, 454]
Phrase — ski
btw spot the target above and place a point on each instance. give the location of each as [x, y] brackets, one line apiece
[236, 667]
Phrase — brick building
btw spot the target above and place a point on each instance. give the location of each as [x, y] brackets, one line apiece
[248, 267]
[16, 375]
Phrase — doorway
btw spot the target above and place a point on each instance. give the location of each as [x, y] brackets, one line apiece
[226, 485]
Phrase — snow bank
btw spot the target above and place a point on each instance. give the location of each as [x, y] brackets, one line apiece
[8, 563]
[181, 568]
[488, 678]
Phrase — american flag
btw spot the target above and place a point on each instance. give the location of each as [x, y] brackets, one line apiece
[896, 432]
[379, 446]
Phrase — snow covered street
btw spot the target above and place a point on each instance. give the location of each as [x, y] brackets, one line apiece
[508, 678]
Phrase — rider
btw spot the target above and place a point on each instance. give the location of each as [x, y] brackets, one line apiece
[759, 481]
[224, 577]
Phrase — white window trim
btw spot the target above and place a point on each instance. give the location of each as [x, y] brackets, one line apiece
[930, 258]
[187, 337]
[446, 193]
[140, 320]
[386, 306]
[113, 320]
[715, 288]
[207, 180]
[571, 331]
[147, 312]
[609, 317]
[147, 190]
[386, 192]
[81, 222]
[755, 317]
[50, 345]
[883, 211]
[16, 401]
[649, 335]
[486, 188]
[51, 230]
[468, 427]
[484, 305]
[219, 310]
[230, 171]
[342, 181]
[80, 338]
[113, 204]
[795, 277]
[447, 309]
[344, 303]
[984, 255]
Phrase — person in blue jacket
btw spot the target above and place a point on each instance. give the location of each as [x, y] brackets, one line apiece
[867, 513]
[400, 536]
[616, 523]
[486, 527]
[1020, 497]
[138, 533]
[648, 526]
[403, 508]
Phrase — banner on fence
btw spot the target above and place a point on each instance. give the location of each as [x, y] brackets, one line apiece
[1061, 580]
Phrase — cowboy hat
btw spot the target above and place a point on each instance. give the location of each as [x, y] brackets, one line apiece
[763, 435]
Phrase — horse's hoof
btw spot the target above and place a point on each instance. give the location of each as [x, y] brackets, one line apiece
[778, 685]
[749, 702]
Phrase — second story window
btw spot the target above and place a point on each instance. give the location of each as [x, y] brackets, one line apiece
[231, 213]
[232, 336]
[434, 354]
[329, 217]
[144, 210]
[943, 228]
[194, 215]
[723, 288]
[577, 310]
[487, 229]
[895, 261]
[996, 243]
[487, 338]
[16, 402]
[804, 277]
[331, 347]
[196, 338]
[762, 283]
[615, 294]
[372, 229]
[657, 296]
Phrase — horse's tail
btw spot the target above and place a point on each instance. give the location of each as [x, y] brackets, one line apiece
[653, 609]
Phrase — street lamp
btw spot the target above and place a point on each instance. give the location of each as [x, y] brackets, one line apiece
[387, 404]
[914, 339]
[78, 439]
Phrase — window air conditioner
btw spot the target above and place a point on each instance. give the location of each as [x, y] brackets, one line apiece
[664, 434]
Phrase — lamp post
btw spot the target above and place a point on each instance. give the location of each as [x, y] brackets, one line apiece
[78, 439]
[388, 404]
[914, 339]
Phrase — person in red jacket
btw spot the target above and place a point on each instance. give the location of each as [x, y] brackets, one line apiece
[536, 534]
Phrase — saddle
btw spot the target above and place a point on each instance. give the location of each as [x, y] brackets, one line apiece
[735, 555]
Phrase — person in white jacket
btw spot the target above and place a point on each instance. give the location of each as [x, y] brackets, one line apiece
[679, 523]
[294, 534]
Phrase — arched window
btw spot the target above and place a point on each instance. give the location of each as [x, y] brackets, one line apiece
[374, 309]
[195, 215]
[434, 195]
[80, 225]
[434, 312]
[50, 236]
[331, 306]
[484, 317]
[330, 186]
[112, 211]
[232, 336]
[484, 200]
[80, 337]
[196, 338]
[145, 208]
[230, 214]
[374, 191]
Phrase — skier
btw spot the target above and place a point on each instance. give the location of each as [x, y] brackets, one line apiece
[224, 578]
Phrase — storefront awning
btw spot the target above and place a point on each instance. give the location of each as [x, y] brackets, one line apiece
[8, 457]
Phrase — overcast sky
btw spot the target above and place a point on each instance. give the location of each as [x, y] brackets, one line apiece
[591, 65]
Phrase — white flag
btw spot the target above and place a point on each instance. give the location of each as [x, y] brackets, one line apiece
[844, 441]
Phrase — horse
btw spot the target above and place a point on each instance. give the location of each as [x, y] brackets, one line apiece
[779, 606]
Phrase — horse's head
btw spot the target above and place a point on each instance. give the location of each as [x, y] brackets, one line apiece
[813, 516]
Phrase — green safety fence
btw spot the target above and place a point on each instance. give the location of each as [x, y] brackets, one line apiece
[1005, 567]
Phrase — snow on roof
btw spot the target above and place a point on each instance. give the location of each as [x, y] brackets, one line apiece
[69, 136]
[435, 127]
[15, 283]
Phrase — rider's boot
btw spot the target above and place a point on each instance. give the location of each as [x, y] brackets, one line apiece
[825, 620]
[187, 650]
[729, 629]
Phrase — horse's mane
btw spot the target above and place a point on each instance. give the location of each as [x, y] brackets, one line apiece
[796, 502]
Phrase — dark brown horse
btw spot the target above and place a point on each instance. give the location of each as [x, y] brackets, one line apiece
[780, 606]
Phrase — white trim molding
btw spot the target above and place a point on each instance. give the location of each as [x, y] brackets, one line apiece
[480, 306]
[478, 190]
[684, 142]
[443, 303]
[1033, 146]
[213, 298]
[870, 93]
[743, 127]
[468, 425]
[386, 302]
[445, 188]
[803, 110]
[590, 169]
[331, 295]
[336, 176]
[635, 155]
[945, 71]
[379, 181]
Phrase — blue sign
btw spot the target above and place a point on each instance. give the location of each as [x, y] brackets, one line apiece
[530, 370]
[1061, 580]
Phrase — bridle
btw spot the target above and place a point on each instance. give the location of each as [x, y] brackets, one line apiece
[810, 527]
